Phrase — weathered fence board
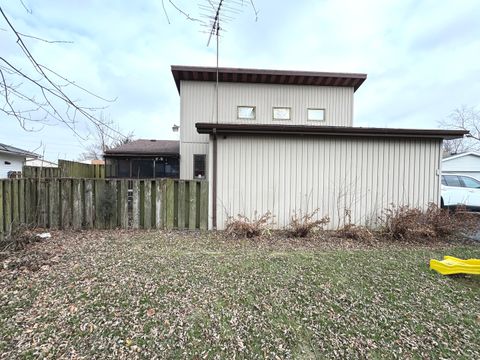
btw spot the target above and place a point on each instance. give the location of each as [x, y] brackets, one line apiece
[192, 221]
[7, 205]
[71, 169]
[89, 207]
[123, 205]
[203, 204]
[2, 219]
[76, 203]
[54, 203]
[136, 205]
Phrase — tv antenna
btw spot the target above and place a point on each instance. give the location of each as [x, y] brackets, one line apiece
[214, 11]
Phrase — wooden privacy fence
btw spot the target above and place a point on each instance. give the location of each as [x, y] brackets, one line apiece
[63, 203]
[65, 168]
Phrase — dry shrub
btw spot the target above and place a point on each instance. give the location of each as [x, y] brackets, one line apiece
[301, 225]
[405, 223]
[242, 226]
[355, 232]
[18, 238]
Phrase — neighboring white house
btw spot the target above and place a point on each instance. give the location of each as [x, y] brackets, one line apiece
[12, 159]
[284, 142]
[37, 162]
[465, 164]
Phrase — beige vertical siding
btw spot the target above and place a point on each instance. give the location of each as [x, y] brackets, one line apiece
[288, 174]
[198, 104]
[187, 150]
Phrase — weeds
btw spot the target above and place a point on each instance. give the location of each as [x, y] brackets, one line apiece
[303, 225]
[403, 222]
[242, 226]
[355, 232]
[19, 237]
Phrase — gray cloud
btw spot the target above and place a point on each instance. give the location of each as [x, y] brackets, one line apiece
[421, 56]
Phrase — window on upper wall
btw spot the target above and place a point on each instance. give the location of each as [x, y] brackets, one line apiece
[316, 114]
[246, 112]
[199, 166]
[281, 113]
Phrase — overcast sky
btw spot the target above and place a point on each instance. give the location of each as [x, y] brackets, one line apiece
[422, 57]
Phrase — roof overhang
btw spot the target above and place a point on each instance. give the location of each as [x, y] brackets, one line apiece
[140, 155]
[264, 76]
[307, 130]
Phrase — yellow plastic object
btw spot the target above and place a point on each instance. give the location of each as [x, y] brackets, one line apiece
[451, 265]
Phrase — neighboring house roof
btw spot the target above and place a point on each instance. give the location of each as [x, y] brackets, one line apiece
[145, 147]
[262, 129]
[264, 76]
[461, 155]
[16, 151]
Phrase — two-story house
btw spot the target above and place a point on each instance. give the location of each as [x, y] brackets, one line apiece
[284, 142]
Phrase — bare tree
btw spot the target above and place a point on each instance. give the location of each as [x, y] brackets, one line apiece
[104, 136]
[463, 118]
[36, 95]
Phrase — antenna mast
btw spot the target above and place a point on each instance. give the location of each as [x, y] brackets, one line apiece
[215, 30]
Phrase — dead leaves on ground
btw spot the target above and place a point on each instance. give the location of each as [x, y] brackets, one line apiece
[200, 295]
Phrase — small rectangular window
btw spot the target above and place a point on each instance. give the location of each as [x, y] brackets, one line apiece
[316, 114]
[281, 113]
[199, 166]
[246, 112]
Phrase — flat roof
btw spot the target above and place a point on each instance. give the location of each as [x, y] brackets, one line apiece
[299, 130]
[265, 76]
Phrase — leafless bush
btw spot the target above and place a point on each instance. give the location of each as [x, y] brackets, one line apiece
[18, 238]
[242, 226]
[403, 222]
[301, 225]
[355, 232]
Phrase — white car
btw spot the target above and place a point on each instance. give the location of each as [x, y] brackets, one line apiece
[460, 190]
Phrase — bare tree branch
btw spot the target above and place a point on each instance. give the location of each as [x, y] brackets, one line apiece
[102, 139]
[45, 40]
[463, 118]
[47, 109]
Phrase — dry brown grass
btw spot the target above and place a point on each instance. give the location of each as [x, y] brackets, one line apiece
[355, 232]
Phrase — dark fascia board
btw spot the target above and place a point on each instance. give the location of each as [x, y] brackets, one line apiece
[140, 155]
[299, 130]
[265, 76]
[20, 153]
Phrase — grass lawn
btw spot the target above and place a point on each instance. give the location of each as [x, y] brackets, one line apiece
[191, 295]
